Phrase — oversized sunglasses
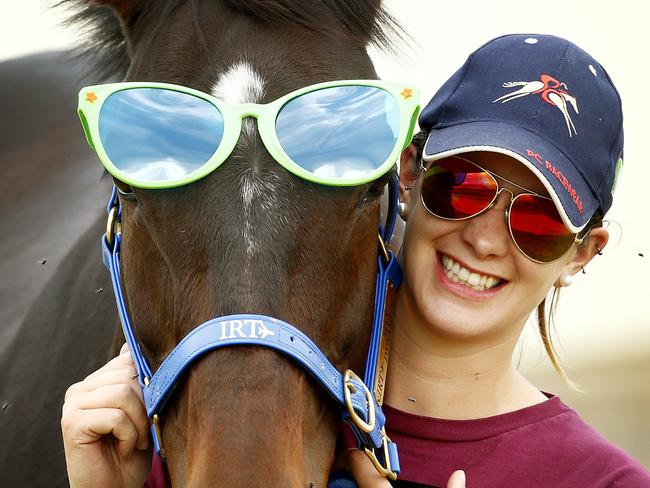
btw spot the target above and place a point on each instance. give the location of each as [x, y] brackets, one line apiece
[158, 135]
[454, 188]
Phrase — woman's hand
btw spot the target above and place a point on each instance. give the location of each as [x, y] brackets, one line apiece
[366, 475]
[105, 428]
[457, 479]
[363, 471]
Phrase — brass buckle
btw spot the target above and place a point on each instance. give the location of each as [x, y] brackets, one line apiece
[349, 387]
[155, 421]
[113, 226]
[156, 428]
[386, 471]
[383, 248]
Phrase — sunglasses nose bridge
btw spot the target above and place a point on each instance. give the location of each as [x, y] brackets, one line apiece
[496, 198]
[249, 110]
[502, 189]
[246, 112]
[507, 207]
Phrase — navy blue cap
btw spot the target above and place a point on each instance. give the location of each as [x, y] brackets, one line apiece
[544, 101]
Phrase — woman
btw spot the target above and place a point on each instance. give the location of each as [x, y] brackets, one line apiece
[509, 205]
[504, 204]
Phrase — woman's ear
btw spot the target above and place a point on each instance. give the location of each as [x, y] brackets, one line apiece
[593, 244]
[408, 173]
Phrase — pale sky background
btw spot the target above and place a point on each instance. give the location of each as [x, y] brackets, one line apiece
[606, 313]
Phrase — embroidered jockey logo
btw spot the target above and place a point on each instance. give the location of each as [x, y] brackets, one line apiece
[552, 92]
[251, 329]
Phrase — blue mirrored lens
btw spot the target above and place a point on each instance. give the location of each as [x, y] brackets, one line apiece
[341, 132]
[157, 135]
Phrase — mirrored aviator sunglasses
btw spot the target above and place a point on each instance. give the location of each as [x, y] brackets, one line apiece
[158, 135]
[454, 188]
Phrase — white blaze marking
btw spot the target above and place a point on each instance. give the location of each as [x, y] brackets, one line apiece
[240, 83]
[248, 190]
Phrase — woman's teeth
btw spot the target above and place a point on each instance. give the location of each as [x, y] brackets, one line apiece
[456, 272]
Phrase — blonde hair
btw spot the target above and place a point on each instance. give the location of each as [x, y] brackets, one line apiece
[546, 326]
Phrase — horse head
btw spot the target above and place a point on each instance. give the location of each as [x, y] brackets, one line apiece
[249, 237]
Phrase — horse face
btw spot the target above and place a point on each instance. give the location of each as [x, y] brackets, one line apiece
[248, 238]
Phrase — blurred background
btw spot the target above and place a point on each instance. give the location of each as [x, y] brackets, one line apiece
[603, 325]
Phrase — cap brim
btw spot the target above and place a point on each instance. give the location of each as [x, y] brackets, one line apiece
[568, 189]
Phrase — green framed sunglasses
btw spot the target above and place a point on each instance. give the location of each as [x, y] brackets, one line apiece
[159, 135]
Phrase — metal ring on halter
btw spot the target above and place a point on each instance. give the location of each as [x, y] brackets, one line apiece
[113, 224]
[387, 470]
[110, 225]
[360, 423]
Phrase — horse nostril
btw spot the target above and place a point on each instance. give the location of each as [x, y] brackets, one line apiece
[291, 338]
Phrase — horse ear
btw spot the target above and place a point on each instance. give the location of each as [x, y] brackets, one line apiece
[127, 11]
[113, 28]
[123, 8]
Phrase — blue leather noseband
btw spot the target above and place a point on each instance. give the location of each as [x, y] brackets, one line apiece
[360, 399]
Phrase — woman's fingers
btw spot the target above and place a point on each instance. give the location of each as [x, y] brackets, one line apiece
[116, 396]
[120, 361]
[119, 370]
[121, 376]
[111, 389]
[457, 479]
[366, 475]
[89, 426]
[105, 427]
[364, 471]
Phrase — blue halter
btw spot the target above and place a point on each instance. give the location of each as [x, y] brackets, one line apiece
[360, 400]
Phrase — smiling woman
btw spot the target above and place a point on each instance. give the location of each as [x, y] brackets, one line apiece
[489, 232]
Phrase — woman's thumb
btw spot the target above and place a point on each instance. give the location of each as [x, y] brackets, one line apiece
[457, 479]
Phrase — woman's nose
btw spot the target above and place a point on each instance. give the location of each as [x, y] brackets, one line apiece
[488, 234]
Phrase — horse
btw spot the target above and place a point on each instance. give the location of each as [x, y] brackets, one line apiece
[249, 236]
[58, 320]
[45, 175]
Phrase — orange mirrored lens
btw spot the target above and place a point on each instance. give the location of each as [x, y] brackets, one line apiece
[537, 228]
[455, 188]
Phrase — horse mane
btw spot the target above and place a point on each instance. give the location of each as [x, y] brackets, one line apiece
[363, 21]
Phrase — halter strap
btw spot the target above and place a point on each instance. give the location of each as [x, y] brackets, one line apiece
[360, 404]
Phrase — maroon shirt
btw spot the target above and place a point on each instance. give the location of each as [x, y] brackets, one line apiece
[544, 446]
[158, 477]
